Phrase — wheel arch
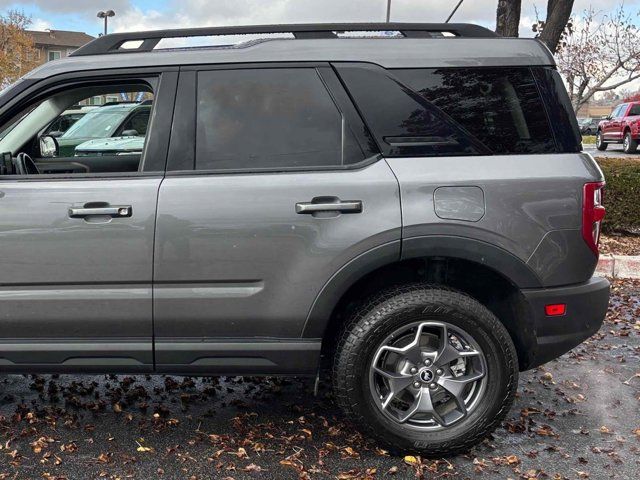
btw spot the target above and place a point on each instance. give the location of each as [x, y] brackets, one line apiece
[494, 278]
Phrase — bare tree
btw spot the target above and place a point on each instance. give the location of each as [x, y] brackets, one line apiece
[600, 55]
[17, 50]
[554, 27]
[508, 17]
[550, 30]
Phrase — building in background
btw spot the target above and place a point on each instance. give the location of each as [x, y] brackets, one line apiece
[54, 44]
[591, 110]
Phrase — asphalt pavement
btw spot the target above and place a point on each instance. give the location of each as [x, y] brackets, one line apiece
[613, 151]
[577, 417]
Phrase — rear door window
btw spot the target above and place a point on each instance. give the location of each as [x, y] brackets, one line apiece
[252, 119]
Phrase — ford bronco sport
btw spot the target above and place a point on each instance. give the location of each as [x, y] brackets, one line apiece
[413, 212]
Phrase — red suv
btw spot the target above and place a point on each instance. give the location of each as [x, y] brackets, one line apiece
[622, 126]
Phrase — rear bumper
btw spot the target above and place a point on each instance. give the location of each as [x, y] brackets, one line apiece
[587, 305]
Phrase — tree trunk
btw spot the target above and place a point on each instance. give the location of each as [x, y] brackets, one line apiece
[508, 17]
[558, 14]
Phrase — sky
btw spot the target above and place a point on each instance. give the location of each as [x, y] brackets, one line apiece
[132, 15]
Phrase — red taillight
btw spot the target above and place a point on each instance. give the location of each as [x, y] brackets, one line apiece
[592, 214]
[555, 309]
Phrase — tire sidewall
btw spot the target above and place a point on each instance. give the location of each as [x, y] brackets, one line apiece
[626, 143]
[631, 145]
[498, 357]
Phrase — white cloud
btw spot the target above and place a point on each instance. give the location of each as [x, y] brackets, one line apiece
[190, 13]
[40, 25]
[71, 6]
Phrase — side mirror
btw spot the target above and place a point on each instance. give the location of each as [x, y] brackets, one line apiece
[130, 133]
[48, 147]
[55, 134]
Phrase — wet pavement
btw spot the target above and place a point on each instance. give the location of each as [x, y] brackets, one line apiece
[577, 417]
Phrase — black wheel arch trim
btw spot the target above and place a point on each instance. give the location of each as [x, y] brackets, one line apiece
[506, 264]
[496, 258]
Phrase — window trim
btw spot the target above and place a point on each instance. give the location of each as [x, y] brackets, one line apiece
[182, 147]
[547, 78]
[49, 52]
[154, 156]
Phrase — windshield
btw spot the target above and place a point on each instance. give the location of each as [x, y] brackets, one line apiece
[96, 124]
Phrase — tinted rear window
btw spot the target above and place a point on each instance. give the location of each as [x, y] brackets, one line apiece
[452, 111]
[270, 118]
[500, 107]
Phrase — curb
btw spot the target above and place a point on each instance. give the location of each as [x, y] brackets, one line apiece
[619, 266]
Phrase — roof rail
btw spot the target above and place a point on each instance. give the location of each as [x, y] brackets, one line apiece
[113, 43]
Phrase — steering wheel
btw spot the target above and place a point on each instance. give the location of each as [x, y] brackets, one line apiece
[25, 165]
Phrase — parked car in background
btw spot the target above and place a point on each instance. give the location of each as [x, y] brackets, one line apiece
[589, 126]
[622, 126]
[64, 122]
[129, 145]
[111, 120]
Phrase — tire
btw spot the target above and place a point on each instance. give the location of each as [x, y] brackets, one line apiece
[629, 145]
[600, 143]
[371, 325]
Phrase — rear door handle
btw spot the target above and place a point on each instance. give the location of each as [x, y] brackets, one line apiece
[348, 206]
[114, 211]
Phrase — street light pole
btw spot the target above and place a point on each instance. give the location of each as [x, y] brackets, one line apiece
[106, 15]
[388, 11]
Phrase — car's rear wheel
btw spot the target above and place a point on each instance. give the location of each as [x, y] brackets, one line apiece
[629, 145]
[600, 143]
[425, 369]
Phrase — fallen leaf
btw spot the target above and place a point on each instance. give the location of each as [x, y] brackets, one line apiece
[411, 460]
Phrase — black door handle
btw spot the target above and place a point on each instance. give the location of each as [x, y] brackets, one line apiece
[329, 205]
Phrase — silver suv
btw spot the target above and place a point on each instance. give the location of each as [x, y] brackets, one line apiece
[413, 212]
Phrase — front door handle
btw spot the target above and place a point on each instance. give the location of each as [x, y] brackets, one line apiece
[114, 211]
[329, 205]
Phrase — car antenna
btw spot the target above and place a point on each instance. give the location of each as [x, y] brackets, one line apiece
[454, 11]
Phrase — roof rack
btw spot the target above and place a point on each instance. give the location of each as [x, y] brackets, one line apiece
[113, 43]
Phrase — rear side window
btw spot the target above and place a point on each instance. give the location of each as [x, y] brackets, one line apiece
[500, 107]
[250, 119]
[452, 111]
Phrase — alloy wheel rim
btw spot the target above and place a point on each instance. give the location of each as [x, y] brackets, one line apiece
[626, 142]
[428, 375]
